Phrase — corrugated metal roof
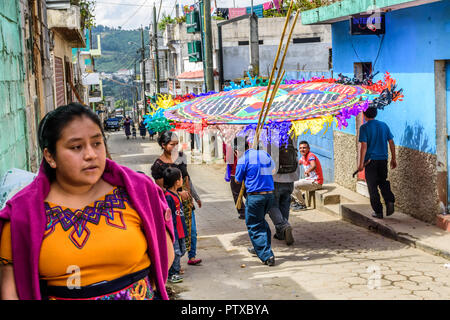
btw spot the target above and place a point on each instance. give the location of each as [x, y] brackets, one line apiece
[58, 4]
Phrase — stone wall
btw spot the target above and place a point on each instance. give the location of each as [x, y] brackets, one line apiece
[13, 137]
[345, 163]
[413, 182]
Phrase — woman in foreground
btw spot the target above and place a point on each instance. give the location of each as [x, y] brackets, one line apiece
[86, 227]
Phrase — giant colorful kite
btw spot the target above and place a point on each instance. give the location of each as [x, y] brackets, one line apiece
[298, 107]
[318, 101]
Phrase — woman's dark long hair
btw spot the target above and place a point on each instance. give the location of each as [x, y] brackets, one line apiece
[54, 122]
[165, 137]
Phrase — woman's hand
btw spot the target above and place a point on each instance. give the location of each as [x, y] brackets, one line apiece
[7, 283]
[168, 214]
[185, 195]
[199, 202]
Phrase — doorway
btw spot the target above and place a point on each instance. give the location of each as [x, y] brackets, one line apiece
[68, 77]
[447, 103]
[362, 70]
[442, 109]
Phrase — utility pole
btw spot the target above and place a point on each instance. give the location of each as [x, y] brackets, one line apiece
[208, 47]
[143, 70]
[155, 41]
[135, 97]
[254, 45]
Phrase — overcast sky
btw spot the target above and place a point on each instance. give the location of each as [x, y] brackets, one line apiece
[131, 14]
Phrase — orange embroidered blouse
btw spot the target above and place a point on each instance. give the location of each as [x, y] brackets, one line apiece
[102, 242]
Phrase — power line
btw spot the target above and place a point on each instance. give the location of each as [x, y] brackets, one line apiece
[140, 7]
[130, 4]
[118, 82]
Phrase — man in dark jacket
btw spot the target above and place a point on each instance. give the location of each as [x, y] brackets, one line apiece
[288, 171]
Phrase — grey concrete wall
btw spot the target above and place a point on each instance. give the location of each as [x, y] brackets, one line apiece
[308, 56]
[270, 30]
[345, 158]
[413, 182]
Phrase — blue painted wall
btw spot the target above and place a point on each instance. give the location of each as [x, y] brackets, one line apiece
[414, 39]
[322, 143]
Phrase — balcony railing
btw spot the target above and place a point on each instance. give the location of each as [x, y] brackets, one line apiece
[68, 23]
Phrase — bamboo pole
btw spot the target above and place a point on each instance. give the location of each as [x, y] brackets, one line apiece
[275, 63]
[256, 140]
[284, 56]
[264, 108]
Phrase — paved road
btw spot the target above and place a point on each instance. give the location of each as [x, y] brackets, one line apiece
[330, 259]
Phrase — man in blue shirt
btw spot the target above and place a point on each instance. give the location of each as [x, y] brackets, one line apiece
[374, 137]
[255, 169]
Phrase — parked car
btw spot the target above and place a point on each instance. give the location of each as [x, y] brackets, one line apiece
[112, 124]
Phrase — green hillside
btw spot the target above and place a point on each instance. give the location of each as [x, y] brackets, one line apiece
[118, 54]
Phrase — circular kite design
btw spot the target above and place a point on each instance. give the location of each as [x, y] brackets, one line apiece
[292, 102]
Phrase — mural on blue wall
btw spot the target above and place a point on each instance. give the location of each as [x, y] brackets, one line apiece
[415, 137]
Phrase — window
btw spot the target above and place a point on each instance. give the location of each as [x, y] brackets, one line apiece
[306, 40]
[246, 43]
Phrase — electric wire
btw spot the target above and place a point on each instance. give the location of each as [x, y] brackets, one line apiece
[140, 7]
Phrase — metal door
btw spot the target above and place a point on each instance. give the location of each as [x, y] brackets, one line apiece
[59, 80]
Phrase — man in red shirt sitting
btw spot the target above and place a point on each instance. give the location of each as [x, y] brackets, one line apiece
[313, 174]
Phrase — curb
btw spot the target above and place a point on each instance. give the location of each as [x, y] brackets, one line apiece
[357, 218]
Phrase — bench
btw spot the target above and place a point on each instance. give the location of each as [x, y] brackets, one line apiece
[311, 197]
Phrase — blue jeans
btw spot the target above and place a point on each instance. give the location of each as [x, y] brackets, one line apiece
[258, 229]
[179, 246]
[193, 251]
[279, 213]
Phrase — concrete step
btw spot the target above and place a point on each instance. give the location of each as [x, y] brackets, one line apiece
[334, 194]
[332, 209]
[355, 208]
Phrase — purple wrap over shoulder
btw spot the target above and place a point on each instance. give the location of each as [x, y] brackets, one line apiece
[27, 215]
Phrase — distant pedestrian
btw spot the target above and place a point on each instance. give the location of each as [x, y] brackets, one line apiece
[87, 213]
[142, 129]
[133, 130]
[313, 174]
[152, 134]
[127, 127]
[375, 136]
[255, 169]
[173, 180]
[288, 171]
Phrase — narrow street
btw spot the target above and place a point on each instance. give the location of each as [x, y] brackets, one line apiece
[330, 259]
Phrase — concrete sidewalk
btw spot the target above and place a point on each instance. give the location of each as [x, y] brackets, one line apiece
[355, 208]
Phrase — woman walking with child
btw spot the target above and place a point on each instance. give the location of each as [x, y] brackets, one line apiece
[170, 157]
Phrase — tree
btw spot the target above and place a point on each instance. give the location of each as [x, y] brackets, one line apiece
[121, 104]
[166, 19]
